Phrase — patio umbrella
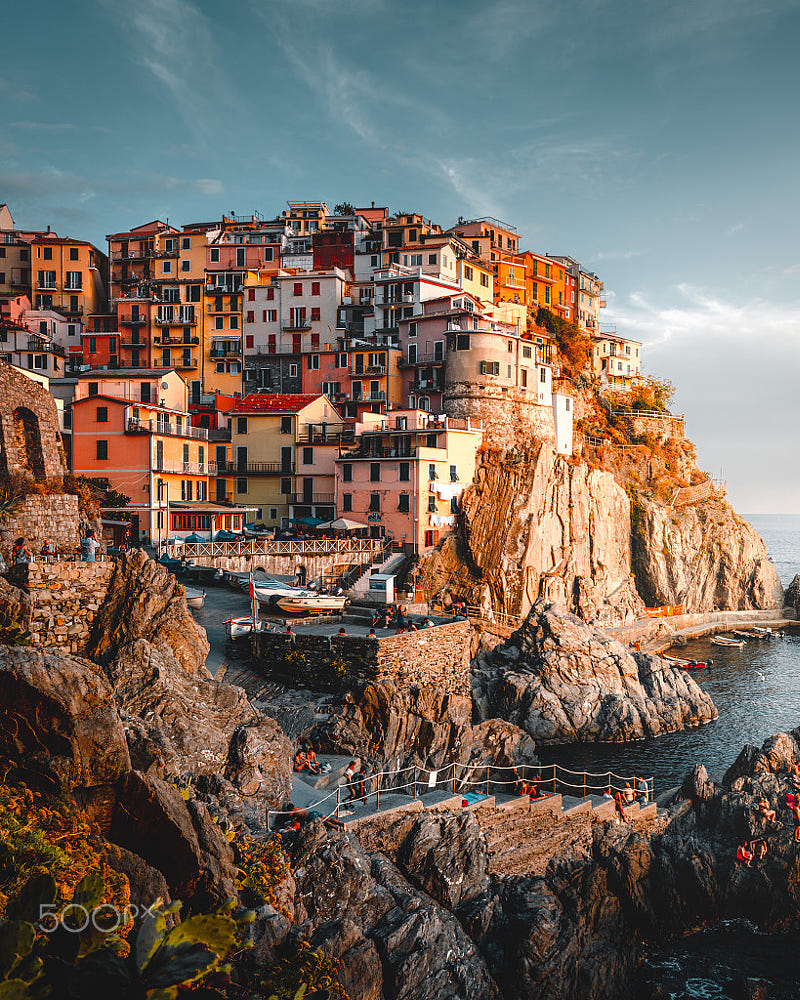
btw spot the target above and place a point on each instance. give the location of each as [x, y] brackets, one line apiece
[194, 537]
[174, 541]
[226, 536]
[343, 524]
[310, 522]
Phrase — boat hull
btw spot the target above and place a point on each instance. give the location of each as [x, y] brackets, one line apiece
[320, 602]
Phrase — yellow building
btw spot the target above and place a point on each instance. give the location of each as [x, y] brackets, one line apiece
[176, 304]
[305, 216]
[283, 448]
[617, 359]
[68, 275]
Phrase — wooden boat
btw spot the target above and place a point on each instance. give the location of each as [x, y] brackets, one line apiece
[239, 628]
[721, 640]
[270, 591]
[766, 633]
[687, 664]
[195, 598]
[309, 601]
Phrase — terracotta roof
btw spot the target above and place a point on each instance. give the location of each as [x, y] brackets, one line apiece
[281, 402]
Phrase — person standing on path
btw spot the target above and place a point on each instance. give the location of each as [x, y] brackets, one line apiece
[89, 547]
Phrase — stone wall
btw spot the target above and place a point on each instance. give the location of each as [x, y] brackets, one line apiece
[64, 598]
[30, 441]
[510, 415]
[662, 428]
[437, 657]
[55, 517]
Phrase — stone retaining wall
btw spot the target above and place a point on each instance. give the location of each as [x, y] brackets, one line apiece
[509, 414]
[64, 599]
[436, 657]
[55, 517]
[667, 628]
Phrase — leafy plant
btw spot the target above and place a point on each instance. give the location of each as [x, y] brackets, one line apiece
[262, 867]
[12, 633]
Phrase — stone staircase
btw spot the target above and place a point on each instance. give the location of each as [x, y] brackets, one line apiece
[523, 835]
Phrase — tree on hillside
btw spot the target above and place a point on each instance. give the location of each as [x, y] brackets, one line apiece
[344, 208]
[574, 347]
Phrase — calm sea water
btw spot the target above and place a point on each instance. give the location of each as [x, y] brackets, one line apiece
[756, 690]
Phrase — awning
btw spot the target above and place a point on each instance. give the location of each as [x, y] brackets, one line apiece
[343, 524]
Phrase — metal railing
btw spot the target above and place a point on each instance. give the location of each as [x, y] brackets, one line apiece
[162, 427]
[549, 779]
[190, 468]
[366, 547]
[658, 414]
[309, 498]
[256, 468]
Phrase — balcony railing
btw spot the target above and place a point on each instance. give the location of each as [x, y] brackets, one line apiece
[309, 498]
[132, 343]
[296, 325]
[133, 320]
[176, 341]
[369, 370]
[184, 363]
[256, 468]
[165, 428]
[225, 352]
[368, 397]
[426, 385]
[133, 254]
[423, 359]
[45, 347]
[187, 468]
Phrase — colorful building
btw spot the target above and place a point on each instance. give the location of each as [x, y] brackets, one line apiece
[283, 447]
[68, 275]
[617, 359]
[404, 474]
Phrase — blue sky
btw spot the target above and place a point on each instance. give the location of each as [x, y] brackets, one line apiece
[657, 143]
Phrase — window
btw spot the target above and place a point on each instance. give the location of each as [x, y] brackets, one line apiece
[298, 287]
[341, 361]
[490, 368]
[453, 505]
[432, 504]
[412, 329]
[453, 474]
[186, 243]
[375, 502]
[374, 472]
[249, 341]
[315, 315]
[431, 537]
[292, 371]
[234, 325]
[186, 265]
[431, 258]
[74, 280]
[315, 288]
[404, 503]
[166, 267]
[462, 342]
[241, 425]
[412, 353]
[347, 473]
[48, 253]
[73, 253]
[47, 279]
[509, 371]
[484, 279]
[219, 322]
[510, 346]
[308, 456]
[251, 316]
[432, 472]
[331, 388]
[347, 502]
[286, 425]
[286, 486]
[271, 315]
[93, 345]
[71, 330]
[268, 253]
[101, 415]
[102, 450]
[526, 352]
[542, 374]
[313, 362]
[220, 368]
[524, 377]
[416, 260]
[241, 485]
[468, 273]
[566, 404]
[213, 256]
[270, 293]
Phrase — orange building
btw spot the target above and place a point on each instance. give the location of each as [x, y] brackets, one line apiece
[68, 275]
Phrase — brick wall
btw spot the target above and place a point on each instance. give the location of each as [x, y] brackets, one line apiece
[39, 517]
[437, 657]
[30, 441]
[64, 599]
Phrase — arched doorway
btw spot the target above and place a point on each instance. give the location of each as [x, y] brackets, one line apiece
[27, 444]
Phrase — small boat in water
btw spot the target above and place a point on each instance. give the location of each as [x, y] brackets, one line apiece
[195, 598]
[674, 661]
[766, 633]
[239, 628]
[310, 601]
[721, 640]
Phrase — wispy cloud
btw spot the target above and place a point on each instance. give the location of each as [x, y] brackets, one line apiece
[734, 229]
[175, 42]
[32, 126]
[11, 92]
[208, 185]
[616, 255]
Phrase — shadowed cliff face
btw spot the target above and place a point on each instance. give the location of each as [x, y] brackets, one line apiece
[535, 525]
[704, 557]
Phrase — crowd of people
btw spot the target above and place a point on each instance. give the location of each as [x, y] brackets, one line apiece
[396, 616]
[21, 554]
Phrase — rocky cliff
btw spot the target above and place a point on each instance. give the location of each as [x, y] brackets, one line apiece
[702, 556]
[536, 525]
[564, 681]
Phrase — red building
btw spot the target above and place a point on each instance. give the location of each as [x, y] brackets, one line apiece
[334, 248]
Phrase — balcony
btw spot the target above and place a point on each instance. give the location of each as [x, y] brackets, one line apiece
[426, 385]
[228, 351]
[129, 254]
[133, 320]
[309, 498]
[423, 359]
[132, 343]
[176, 341]
[256, 468]
[45, 347]
[369, 370]
[369, 397]
[187, 468]
[183, 363]
[165, 428]
[296, 326]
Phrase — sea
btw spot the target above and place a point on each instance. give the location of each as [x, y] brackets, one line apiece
[757, 692]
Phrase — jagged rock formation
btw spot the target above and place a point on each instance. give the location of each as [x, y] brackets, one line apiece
[791, 599]
[427, 727]
[153, 652]
[703, 557]
[563, 681]
[534, 525]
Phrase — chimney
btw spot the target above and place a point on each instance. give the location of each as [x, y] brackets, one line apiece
[373, 204]
[48, 230]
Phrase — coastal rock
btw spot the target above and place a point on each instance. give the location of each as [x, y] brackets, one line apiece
[59, 721]
[444, 854]
[534, 526]
[418, 949]
[562, 681]
[426, 727]
[791, 598]
[704, 557]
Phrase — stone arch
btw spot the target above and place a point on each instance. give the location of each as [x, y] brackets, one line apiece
[28, 442]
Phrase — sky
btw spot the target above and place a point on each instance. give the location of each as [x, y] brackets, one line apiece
[657, 143]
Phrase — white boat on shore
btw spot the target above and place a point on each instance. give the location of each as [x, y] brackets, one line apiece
[195, 598]
[239, 628]
[310, 601]
[271, 591]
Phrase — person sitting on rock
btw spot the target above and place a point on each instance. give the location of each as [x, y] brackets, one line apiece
[619, 802]
[628, 795]
[356, 786]
[759, 848]
[307, 761]
[744, 854]
[371, 634]
[21, 554]
[342, 631]
[427, 623]
[765, 811]
[643, 792]
[294, 818]
[523, 787]
[608, 794]
[47, 551]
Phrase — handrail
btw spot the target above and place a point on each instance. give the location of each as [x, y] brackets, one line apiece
[275, 547]
[437, 776]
